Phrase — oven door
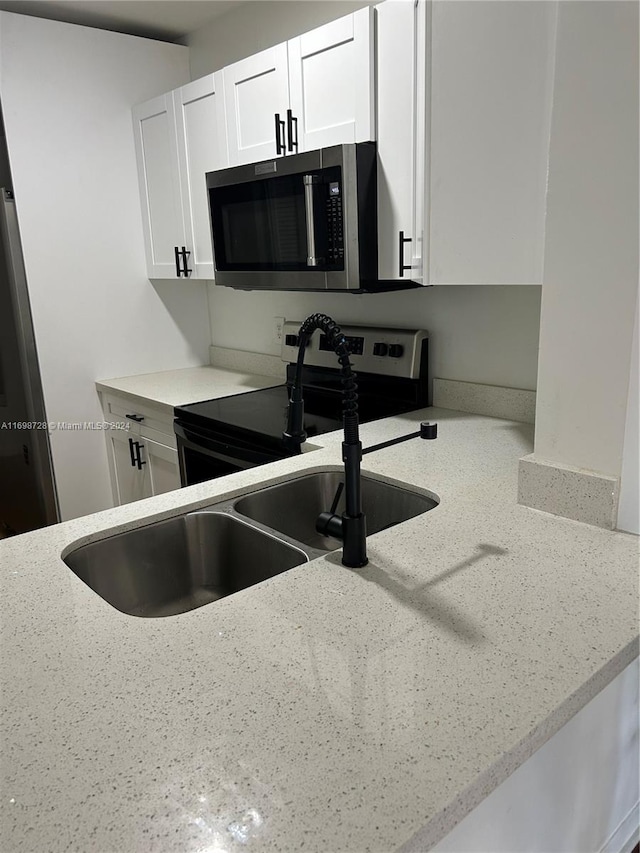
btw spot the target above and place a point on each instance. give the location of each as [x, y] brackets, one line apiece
[203, 455]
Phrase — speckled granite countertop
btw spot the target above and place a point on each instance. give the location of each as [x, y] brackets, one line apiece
[326, 709]
[170, 388]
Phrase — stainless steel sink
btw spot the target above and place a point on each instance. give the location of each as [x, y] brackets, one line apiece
[185, 562]
[292, 508]
[182, 563]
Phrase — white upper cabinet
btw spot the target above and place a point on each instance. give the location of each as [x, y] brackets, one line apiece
[331, 79]
[314, 91]
[490, 74]
[461, 110]
[179, 136]
[464, 105]
[398, 226]
[256, 92]
[202, 147]
[159, 182]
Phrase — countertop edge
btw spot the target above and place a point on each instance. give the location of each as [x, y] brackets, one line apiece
[441, 824]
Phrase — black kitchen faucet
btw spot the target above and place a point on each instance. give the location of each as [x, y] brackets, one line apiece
[350, 527]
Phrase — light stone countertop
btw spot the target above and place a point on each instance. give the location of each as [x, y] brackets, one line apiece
[326, 709]
[170, 388]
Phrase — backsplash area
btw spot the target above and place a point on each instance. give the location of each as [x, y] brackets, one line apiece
[483, 334]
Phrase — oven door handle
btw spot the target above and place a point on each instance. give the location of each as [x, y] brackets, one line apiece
[198, 440]
[240, 455]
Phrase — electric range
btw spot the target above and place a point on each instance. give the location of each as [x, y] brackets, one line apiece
[218, 437]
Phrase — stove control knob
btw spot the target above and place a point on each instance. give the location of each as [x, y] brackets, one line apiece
[380, 349]
[396, 351]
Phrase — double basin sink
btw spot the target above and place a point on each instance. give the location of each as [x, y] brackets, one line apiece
[182, 563]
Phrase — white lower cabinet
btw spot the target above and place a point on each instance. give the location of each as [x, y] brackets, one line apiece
[126, 482]
[162, 472]
[141, 450]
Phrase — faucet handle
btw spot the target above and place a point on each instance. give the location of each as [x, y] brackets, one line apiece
[330, 523]
[428, 429]
[336, 498]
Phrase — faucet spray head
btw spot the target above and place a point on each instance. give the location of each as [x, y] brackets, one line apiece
[294, 435]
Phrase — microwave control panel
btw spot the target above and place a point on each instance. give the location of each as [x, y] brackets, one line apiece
[335, 225]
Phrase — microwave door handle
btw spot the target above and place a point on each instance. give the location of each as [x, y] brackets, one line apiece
[309, 180]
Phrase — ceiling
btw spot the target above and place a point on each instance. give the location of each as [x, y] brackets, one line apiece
[166, 20]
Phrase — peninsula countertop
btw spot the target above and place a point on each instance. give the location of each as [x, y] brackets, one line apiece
[325, 709]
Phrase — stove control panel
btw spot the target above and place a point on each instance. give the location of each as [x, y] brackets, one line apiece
[388, 352]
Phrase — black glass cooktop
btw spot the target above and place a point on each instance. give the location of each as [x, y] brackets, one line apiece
[260, 417]
[262, 412]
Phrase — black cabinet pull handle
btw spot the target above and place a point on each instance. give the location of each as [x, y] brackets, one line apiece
[280, 142]
[292, 123]
[137, 418]
[133, 458]
[185, 269]
[139, 461]
[401, 264]
[177, 255]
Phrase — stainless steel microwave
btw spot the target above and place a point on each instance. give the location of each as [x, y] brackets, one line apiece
[302, 222]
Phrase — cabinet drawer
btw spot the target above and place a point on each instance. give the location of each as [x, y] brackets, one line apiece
[157, 421]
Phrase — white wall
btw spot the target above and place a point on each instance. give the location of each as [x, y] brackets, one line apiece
[66, 94]
[591, 254]
[254, 26]
[478, 334]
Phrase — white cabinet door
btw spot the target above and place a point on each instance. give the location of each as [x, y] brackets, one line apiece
[331, 77]
[491, 67]
[157, 157]
[143, 459]
[127, 480]
[202, 147]
[140, 467]
[161, 468]
[256, 93]
[398, 126]
[419, 246]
